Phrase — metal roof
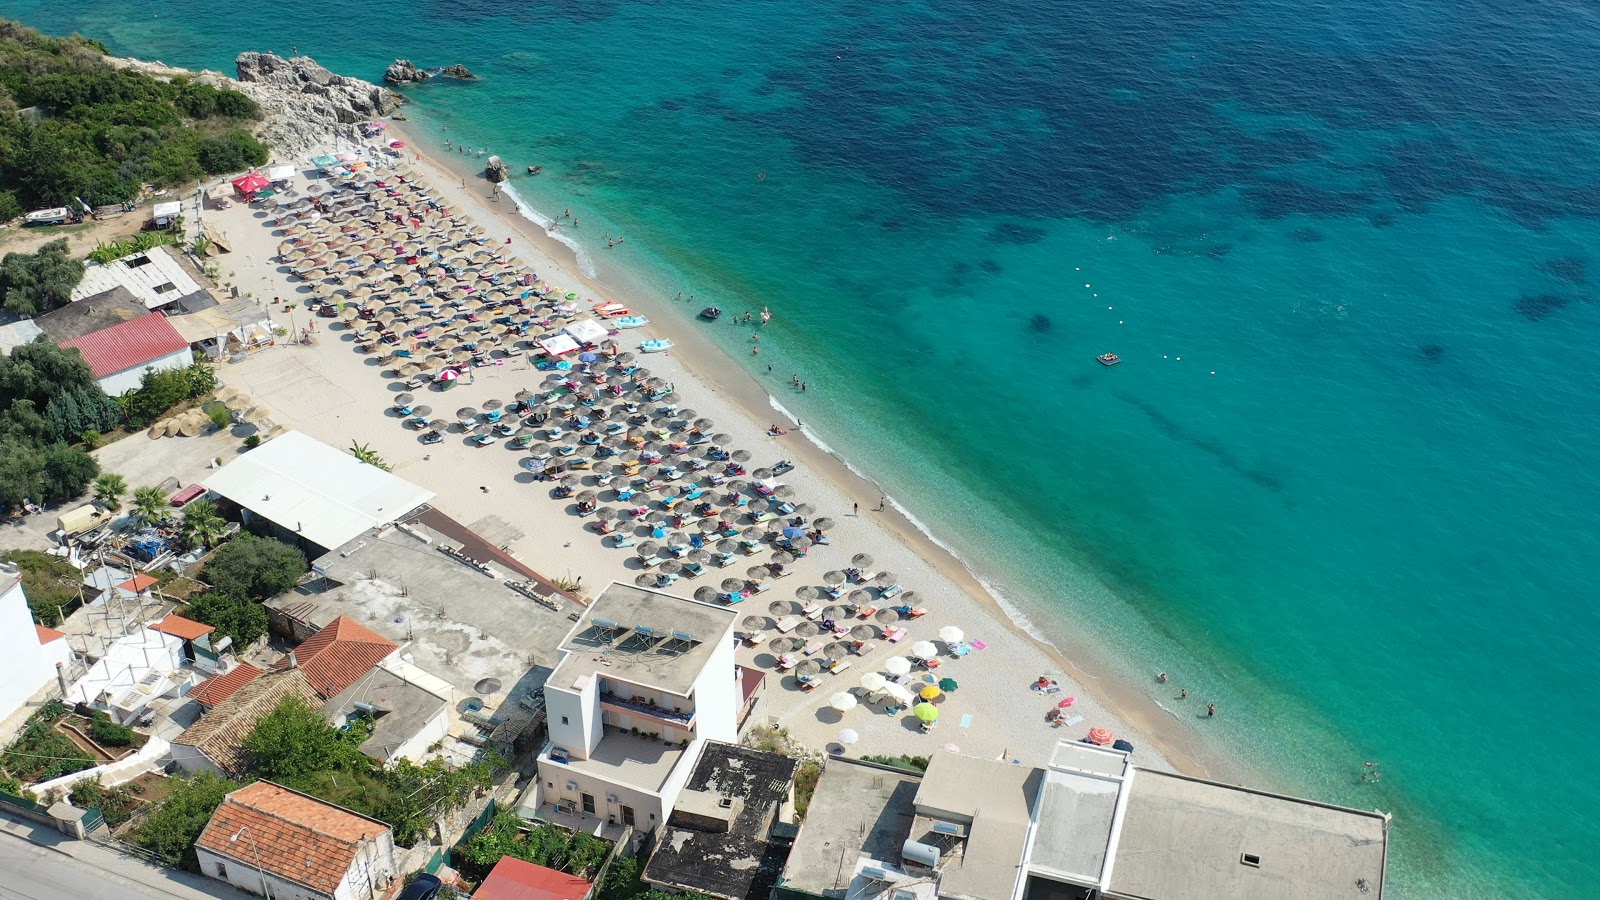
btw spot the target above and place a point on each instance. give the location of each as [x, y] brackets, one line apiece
[152, 276]
[129, 345]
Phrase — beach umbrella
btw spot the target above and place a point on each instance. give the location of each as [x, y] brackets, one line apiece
[808, 668]
[568, 481]
[755, 623]
[948, 684]
[836, 650]
[926, 712]
[467, 412]
[732, 584]
[1101, 736]
[672, 567]
[586, 497]
[897, 665]
[705, 594]
[804, 509]
[808, 629]
[885, 616]
[761, 474]
[861, 560]
[802, 542]
[931, 692]
[645, 579]
[823, 524]
[649, 548]
[835, 612]
[758, 572]
[885, 578]
[403, 399]
[859, 596]
[727, 545]
[848, 736]
[909, 598]
[863, 632]
[422, 412]
[492, 404]
[873, 681]
[805, 592]
[605, 513]
[844, 701]
[950, 634]
[924, 650]
[780, 608]
[742, 455]
[720, 438]
[439, 424]
[523, 396]
[783, 492]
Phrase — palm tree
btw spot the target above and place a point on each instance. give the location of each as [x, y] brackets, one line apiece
[201, 524]
[149, 506]
[109, 489]
[368, 455]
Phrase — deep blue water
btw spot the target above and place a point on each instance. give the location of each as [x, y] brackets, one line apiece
[1342, 484]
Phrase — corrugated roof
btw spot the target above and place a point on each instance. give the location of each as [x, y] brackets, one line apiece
[515, 879]
[129, 345]
[153, 276]
[220, 733]
[178, 626]
[335, 657]
[294, 836]
[218, 688]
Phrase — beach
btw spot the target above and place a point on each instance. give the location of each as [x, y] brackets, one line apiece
[339, 396]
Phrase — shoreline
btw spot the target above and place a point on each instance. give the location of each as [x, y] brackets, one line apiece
[719, 373]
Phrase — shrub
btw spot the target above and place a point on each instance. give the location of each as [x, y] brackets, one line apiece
[110, 734]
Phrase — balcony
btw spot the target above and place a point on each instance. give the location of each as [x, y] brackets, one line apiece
[683, 719]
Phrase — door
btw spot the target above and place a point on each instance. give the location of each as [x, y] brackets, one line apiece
[588, 803]
[627, 815]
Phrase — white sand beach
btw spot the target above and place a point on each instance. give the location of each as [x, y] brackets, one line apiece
[340, 396]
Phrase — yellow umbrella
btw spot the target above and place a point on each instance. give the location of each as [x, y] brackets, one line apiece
[931, 692]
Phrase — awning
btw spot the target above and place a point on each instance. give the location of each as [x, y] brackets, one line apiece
[280, 173]
[587, 331]
[557, 345]
[167, 210]
[324, 161]
[249, 184]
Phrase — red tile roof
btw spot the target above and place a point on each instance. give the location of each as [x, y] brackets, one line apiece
[138, 582]
[178, 626]
[46, 635]
[220, 734]
[218, 688]
[515, 879]
[343, 651]
[298, 838]
[128, 345]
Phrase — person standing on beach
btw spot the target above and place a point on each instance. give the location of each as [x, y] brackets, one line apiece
[1183, 693]
[1211, 710]
[855, 509]
[881, 500]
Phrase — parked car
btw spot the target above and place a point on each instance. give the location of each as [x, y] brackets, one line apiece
[426, 887]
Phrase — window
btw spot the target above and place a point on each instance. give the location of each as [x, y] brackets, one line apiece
[588, 803]
[222, 871]
[165, 287]
[627, 815]
[564, 721]
[1250, 859]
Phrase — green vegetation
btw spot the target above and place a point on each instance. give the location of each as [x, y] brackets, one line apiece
[242, 573]
[107, 733]
[172, 828]
[918, 764]
[805, 784]
[246, 621]
[41, 753]
[368, 455]
[32, 284]
[201, 525]
[219, 415]
[296, 746]
[101, 132]
[545, 844]
[47, 397]
[150, 506]
[50, 582]
[159, 392]
[109, 489]
[115, 803]
[144, 240]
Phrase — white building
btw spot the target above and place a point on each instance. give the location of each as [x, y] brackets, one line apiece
[152, 276]
[278, 843]
[137, 669]
[645, 679]
[31, 652]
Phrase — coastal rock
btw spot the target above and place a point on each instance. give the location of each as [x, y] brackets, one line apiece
[404, 71]
[305, 105]
[496, 170]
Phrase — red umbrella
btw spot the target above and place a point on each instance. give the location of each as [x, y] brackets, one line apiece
[249, 184]
[1100, 736]
[1066, 703]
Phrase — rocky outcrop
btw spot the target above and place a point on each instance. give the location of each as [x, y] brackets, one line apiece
[306, 105]
[496, 170]
[404, 71]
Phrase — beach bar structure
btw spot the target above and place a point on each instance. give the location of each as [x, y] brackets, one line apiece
[1089, 825]
[644, 681]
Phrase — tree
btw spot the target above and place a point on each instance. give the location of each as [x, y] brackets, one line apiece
[161, 391]
[67, 471]
[255, 568]
[50, 582]
[171, 830]
[109, 489]
[149, 506]
[294, 742]
[39, 371]
[368, 455]
[240, 618]
[201, 524]
[35, 283]
[219, 416]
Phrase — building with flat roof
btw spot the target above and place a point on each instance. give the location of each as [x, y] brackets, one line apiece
[645, 679]
[717, 840]
[1090, 825]
[314, 496]
[269, 840]
[153, 277]
[31, 652]
[409, 709]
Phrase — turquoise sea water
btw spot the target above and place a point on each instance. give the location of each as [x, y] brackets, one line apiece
[1342, 484]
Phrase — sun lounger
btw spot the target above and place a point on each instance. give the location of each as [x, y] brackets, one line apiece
[812, 647]
[867, 612]
[889, 592]
[895, 635]
[748, 548]
[766, 517]
[838, 665]
[960, 650]
[808, 684]
[1073, 721]
[787, 662]
[670, 502]
[754, 639]
[865, 647]
[813, 611]
[788, 623]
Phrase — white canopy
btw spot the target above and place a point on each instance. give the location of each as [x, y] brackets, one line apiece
[280, 173]
[168, 210]
[587, 331]
[557, 345]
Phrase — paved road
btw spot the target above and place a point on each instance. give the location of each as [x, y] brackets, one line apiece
[78, 870]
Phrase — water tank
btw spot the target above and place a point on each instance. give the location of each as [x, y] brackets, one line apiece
[918, 853]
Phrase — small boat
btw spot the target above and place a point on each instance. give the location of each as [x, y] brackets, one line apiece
[534, 170]
[58, 216]
[657, 345]
[631, 322]
[1108, 359]
[711, 313]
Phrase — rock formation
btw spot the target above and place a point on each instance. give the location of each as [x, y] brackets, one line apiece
[496, 170]
[404, 71]
[305, 105]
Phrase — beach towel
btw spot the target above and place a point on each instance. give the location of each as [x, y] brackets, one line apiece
[1073, 721]
[966, 721]
[978, 645]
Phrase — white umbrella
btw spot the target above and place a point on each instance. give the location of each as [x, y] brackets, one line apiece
[950, 634]
[873, 681]
[924, 650]
[844, 701]
[848, 736]
[901, 694]
[897, 665]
